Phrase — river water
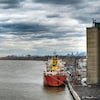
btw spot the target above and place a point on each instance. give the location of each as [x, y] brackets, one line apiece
[23, 80]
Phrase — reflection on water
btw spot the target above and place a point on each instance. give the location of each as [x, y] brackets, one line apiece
[53, 90]
[23, 80]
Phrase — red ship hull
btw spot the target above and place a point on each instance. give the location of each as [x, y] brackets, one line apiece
[54, 80]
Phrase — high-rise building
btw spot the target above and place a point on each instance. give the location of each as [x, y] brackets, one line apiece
[93, 54]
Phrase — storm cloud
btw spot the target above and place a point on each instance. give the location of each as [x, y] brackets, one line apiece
[60, 2]
[6, 4]
[24, 27]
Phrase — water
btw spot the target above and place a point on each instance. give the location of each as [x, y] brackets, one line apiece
[23, 80]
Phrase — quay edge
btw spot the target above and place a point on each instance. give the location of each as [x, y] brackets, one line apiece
[72, 91]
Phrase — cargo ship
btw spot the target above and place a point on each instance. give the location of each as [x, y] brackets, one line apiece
[55, 73]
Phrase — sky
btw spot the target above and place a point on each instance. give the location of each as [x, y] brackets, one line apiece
[40, 27]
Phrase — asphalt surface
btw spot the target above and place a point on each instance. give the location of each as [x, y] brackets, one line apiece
[90, 92]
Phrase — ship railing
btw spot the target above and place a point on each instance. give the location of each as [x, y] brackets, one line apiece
[61, 73]
[55, 73]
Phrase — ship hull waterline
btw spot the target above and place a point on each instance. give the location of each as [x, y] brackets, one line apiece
[54, 80]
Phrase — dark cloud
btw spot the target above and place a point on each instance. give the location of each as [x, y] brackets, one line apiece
[5, 4]
[64, 2]
[53, 16]
[56, 35]
[28, 32]
[22, 27]
[84, 16]
[76, 35]
[44, 37]
[83, 19]
[35, 31]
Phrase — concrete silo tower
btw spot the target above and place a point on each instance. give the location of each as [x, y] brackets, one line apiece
[93, 53]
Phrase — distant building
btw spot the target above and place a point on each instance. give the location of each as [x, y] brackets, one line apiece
[93, 53]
